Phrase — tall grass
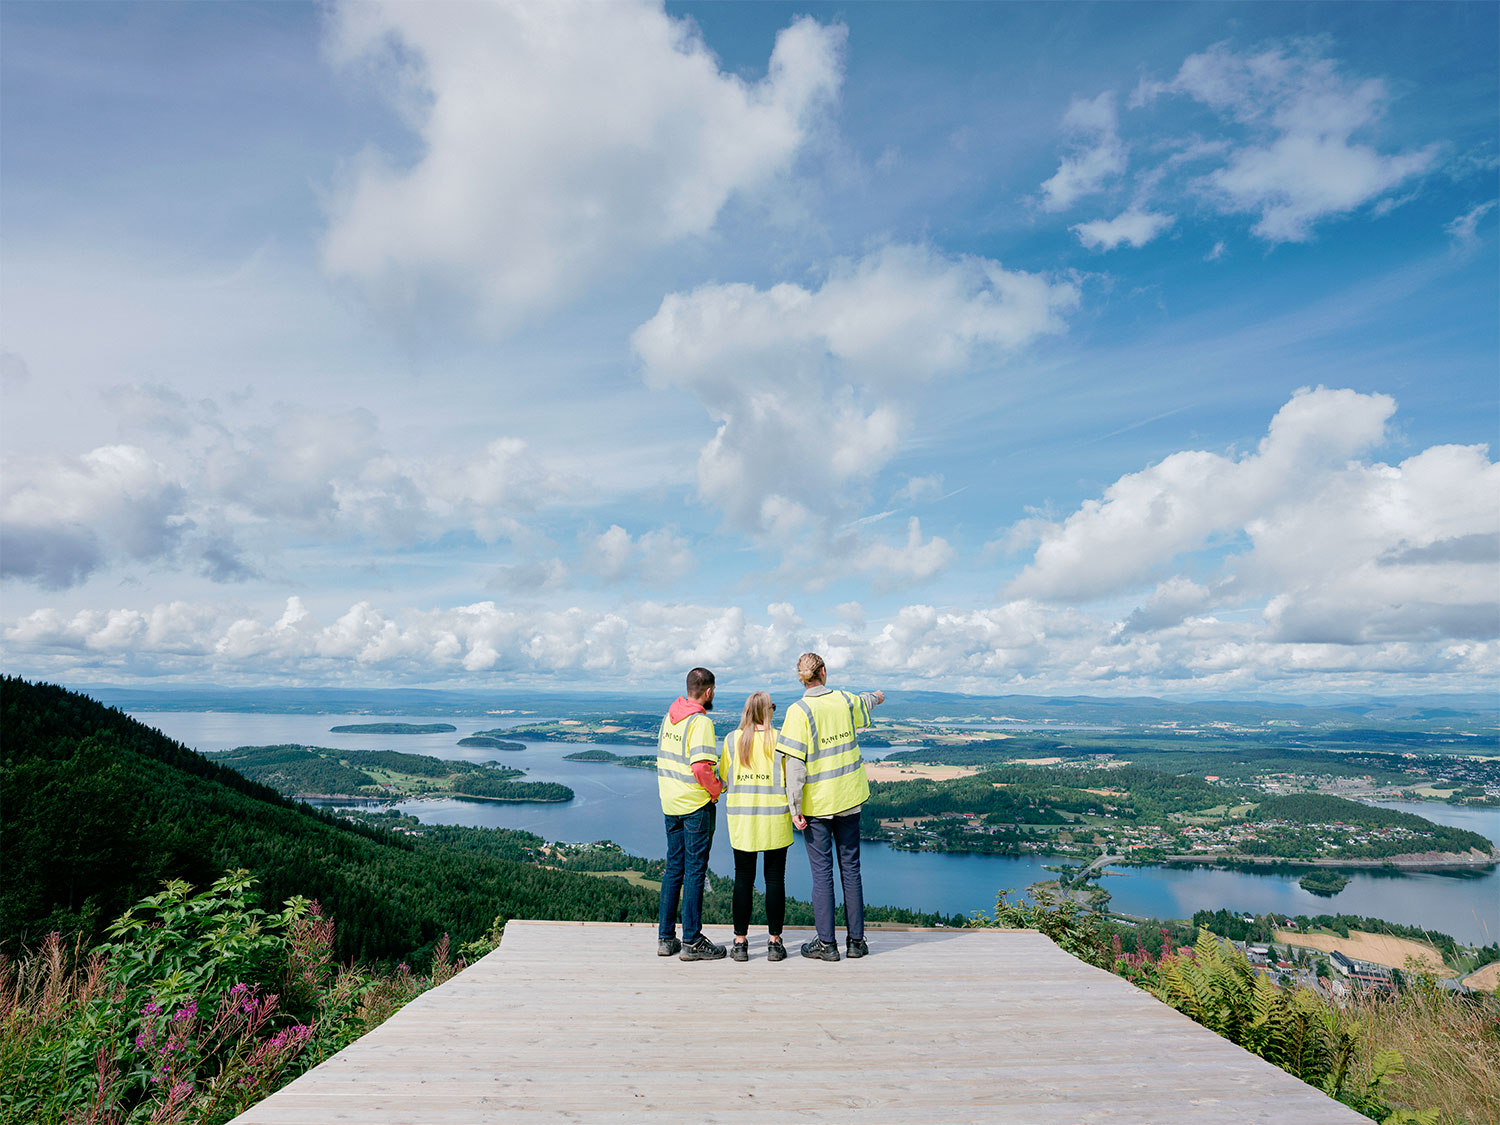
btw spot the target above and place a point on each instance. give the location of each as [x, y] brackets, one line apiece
[199, 1006]
[1450, 1046]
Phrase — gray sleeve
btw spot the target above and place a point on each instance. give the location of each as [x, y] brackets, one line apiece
[794, 770]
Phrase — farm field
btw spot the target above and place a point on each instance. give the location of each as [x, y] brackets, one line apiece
[1381, 949]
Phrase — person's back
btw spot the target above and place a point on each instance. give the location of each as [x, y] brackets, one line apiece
[825, 789]
[836, 779]
[754, 792]
[760, 823]
[686, 753]
[680, 744]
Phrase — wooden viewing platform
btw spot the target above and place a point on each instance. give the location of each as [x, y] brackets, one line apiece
[570, 1021]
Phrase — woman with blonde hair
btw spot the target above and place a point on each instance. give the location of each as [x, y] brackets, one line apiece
[759, 822]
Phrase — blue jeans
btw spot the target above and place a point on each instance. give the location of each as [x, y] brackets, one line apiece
[689, 838]
[821, 836]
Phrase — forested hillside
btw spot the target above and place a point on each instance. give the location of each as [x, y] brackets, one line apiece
[100, 809]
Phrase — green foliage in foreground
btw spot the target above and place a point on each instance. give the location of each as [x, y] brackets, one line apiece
[1215, 985]
[198, 1006]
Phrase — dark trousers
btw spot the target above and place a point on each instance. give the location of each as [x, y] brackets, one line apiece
[822, 835]
[688, 841]
[744, 889]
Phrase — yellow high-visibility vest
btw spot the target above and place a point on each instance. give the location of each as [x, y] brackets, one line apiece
[819, 728]
[677, 747]
[755, 794]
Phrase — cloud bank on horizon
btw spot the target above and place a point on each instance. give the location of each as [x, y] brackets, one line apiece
[528, 343]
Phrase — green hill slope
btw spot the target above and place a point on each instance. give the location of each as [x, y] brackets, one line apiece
[98, 809]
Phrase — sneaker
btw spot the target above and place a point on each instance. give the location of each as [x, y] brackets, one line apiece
[775, 951]
[702, 950]
[856, 948]
[820, 950]
[739, 951]
[667, 946]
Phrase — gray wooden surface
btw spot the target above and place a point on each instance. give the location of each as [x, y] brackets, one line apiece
[582, 1021]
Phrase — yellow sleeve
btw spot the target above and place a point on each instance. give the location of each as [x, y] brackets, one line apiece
[724, 757]
[794, 734]
[705, 747]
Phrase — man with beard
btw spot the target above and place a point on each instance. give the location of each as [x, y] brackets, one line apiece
[686, 753]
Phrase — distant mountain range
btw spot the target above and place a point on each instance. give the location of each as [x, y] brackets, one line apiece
[1465, 711]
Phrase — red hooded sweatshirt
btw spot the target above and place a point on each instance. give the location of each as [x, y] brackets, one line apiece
[681, 708]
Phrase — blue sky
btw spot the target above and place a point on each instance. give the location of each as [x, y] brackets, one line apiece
[1125, 348]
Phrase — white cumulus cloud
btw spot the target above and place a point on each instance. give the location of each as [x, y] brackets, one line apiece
[1301, 156]
[1134, 228]
[63, 517]
[1022, 645]
[1334, 547]
[1095, 157]
[805, 385]
[558, 139]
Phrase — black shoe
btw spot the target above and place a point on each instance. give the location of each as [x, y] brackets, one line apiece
[856, 947]
[775, 951]
[667, 946]
[739, 951]
[820, 950]
[701, 950]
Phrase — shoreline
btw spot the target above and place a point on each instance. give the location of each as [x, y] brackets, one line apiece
[1417, 861]
[352, 799]
[1414, 861]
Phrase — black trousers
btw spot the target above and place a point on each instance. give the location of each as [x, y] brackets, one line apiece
[744, 889]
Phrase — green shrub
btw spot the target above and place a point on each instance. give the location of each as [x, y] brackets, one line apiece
[198, 1006]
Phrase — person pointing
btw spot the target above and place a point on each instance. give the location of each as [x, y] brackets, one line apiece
[825, 789]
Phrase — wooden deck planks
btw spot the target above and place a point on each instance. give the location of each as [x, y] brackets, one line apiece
[573, 1021]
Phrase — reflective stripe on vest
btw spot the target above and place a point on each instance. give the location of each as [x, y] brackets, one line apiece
[755, 796]
[835, 771]
[675, 754]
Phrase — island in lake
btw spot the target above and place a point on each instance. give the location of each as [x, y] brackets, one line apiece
[633, 761]
[309, 772]
[1324, 883]
[490, 742]
[394, 728]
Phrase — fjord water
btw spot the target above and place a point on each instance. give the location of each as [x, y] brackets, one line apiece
[619, 804]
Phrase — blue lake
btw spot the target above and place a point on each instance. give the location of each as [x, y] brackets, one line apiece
[619, 804]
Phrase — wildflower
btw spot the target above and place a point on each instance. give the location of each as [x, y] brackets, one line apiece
[152, 1008]
[186, 1012]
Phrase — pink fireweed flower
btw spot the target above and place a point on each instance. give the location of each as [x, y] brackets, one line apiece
[186, 1012]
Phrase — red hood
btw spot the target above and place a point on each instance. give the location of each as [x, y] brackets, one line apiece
[682, 708]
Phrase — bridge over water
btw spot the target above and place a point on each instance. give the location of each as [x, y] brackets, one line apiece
[582, 1021]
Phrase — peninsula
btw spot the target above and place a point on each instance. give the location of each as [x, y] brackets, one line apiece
[394, 728]
[309, 772]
